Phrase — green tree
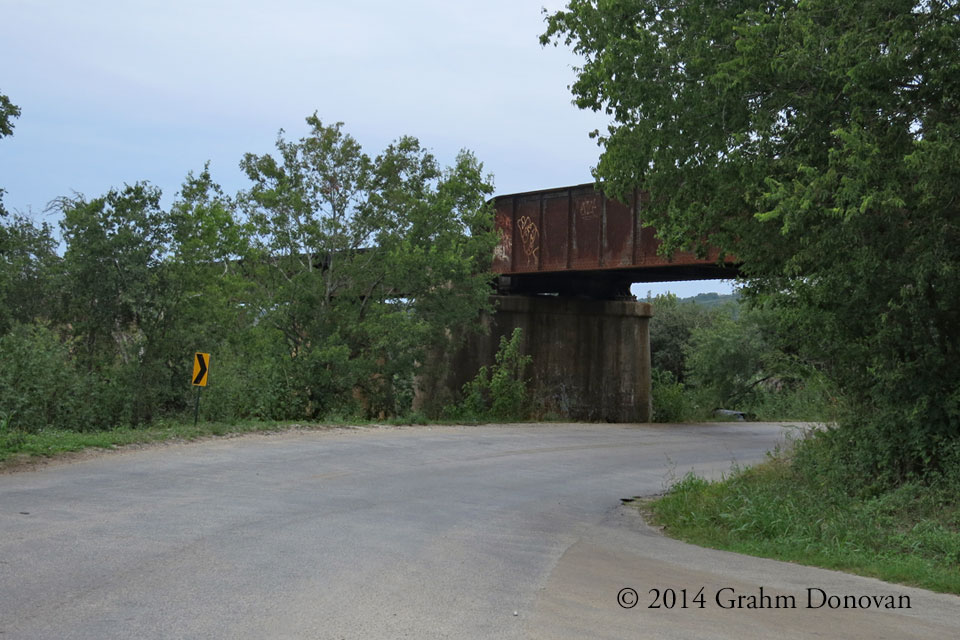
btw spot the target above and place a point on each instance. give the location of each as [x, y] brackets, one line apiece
[28, 261]
[202, 287]
[144, 288]
[27, 252]
[670, 329]
[366, 262]
[728, 360]
[115, 245]
[819, 142]
[8, 111]
[112, 293]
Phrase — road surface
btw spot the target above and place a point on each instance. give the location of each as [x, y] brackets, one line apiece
[417, 532]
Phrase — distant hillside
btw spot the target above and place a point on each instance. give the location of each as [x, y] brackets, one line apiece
[712, 299]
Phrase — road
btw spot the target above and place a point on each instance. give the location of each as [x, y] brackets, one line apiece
[418, 532]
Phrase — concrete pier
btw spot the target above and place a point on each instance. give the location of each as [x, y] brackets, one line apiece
[591, 358]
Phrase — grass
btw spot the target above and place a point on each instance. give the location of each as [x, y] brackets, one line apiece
[18, 446]
[909, 534]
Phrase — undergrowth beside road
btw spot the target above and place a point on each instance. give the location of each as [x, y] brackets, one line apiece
[804, 506]
[18, 445]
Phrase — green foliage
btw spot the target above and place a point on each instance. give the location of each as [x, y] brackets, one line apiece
[320, 301]
[673, 401]
[803, 507]
[819, 143]
[372, 261]
[115, 245]
[8, 111]
[672, 324]
[713, 300]
[500, 392]
[27, 263]
[39, 385]
[805, 395]
[143, 288]
[727, 360]
[508, 384]
[730, 358]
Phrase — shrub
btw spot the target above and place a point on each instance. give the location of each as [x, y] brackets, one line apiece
[500, 392]
[672, 400]
[39, 385]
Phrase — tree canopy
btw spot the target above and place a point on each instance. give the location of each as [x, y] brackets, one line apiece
[8, 111]
[318, 290]
[818, 142]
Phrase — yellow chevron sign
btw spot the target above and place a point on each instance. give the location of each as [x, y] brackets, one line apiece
[201, 361]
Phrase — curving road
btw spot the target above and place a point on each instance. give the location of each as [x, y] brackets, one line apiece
[419, 532]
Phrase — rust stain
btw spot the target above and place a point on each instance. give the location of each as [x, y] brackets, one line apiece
[578, 229]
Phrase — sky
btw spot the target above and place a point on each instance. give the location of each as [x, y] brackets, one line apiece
[115, 92]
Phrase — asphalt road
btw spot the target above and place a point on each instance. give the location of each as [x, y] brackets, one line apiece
[442, 532]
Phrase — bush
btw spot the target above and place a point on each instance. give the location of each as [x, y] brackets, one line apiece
[672, 401]
[809, 399]
[39, 384]
[500, 392]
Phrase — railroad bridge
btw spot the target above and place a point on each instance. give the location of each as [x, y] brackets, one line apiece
[565, 262]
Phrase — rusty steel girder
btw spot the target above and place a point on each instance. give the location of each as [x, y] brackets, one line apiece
[574, 240]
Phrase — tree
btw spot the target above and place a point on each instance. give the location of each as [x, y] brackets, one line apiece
[27, 254]
[27, 261]
[819, 142]
[144, 288]
[670, 330]
[113, 293]
[8, 111]
[366, 262]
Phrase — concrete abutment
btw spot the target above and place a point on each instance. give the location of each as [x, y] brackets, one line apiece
[591, 358]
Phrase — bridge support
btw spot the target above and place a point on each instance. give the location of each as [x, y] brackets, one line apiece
[591, 358]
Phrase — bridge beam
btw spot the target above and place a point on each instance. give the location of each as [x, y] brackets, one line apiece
[591, 358]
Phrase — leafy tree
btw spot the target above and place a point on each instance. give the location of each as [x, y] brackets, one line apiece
[115, 245]
[202, 287]
[113, 291]
[670, 331]
[819, 142]
[27, 262]
[8, 111]
[145, 287]
[728, 360]
[366, 262]
[27, 251]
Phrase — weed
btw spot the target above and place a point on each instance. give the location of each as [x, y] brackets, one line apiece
[794, 507]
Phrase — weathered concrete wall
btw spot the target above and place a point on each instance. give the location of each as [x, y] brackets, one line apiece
[591, 358]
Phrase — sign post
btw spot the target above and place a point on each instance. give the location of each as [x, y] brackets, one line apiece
[201, 363]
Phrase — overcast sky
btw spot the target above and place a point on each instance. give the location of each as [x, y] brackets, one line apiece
[113, 92]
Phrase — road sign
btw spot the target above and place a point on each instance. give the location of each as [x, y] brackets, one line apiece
[200, 370]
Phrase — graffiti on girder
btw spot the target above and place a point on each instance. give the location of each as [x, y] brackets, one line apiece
[529, 236]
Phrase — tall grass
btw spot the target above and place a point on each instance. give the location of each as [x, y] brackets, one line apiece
[796, 509]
